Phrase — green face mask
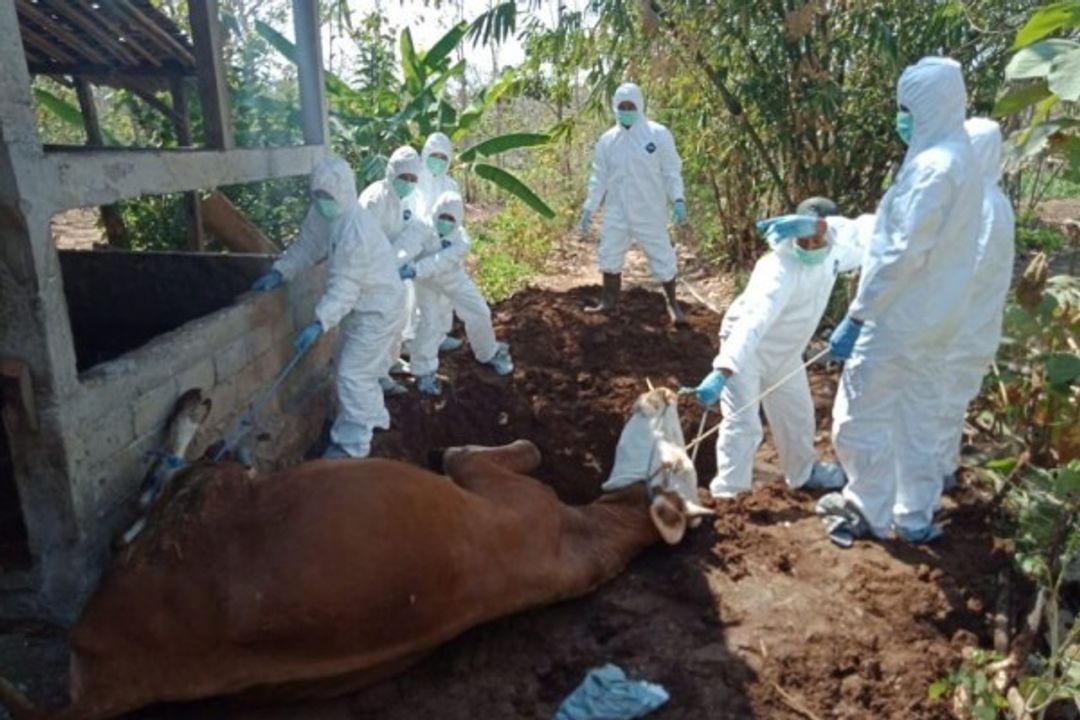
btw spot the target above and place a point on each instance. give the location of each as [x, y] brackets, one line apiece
[403, 188]
[328, 208]
[626, 118]
[811, 257]
[437, 166]
[445, 227]
[905, 125]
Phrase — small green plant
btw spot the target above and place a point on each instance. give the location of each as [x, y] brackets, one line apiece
[1033, 237]
[973, 685]
[509, 249]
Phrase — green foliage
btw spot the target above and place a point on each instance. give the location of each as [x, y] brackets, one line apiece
[972, 681]
[508, 249]
[1037, 238]
[774, 102]
[415, 109]
[1045, 73]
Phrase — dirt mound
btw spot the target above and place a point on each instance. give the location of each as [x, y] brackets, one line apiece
[756, 616]
[577, 374]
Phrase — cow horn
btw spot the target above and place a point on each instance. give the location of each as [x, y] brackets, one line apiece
[668, 517]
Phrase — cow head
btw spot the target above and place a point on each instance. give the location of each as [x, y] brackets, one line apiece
[652, 450]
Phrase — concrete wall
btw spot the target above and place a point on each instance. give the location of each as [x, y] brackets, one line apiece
[117, 414]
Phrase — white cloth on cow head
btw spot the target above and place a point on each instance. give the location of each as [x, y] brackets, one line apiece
[652, 448]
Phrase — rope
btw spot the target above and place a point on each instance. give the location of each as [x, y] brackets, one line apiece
[247, 420]
[692, 445]
[698, 296]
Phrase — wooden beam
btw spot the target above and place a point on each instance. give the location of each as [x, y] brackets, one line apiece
[154, 30]
[213, 88]
[153, 102]
[310, 71]
[105, 73]
[115, 230]
[50, 26]
[89, 113]
[85, 18]
[85, 177]
[193, 215]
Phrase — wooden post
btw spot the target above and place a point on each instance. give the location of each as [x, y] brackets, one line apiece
[210, 66]
[196, 238]
[310, 71]
[111, 218]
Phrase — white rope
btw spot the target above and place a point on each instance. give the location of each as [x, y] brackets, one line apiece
[699, 297]
[692, 445]
[700, 430]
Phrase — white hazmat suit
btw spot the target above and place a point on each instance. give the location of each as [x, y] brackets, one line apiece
[762, 338]
[363, 294]
[636, 172]
[406, 237]
[912, 298]
[422, 203]
[440, 270]
[977, 341]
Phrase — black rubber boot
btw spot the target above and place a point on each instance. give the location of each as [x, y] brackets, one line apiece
[609, 296]
[674, 311]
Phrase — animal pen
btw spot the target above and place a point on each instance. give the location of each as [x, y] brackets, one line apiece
[95, 346]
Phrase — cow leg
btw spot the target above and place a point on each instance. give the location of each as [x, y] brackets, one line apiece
[520, 456]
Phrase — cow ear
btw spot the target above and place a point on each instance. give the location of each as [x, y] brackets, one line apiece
[668, 517]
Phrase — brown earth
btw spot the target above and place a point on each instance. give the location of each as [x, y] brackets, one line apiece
[755, 615]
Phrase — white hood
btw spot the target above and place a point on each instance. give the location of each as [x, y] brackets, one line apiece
[438, 143]
[334, 176]
[986, 143]
[933, 91]
[631, 92]
[403, 160]
[451, 204]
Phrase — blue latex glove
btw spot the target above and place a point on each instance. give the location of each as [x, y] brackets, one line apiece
[842, 340]
[680, 211]
[708, 390]
[307, 337]
[269, 281]
[407, 272]
[607, 694]
[787, 227]
[586, 220]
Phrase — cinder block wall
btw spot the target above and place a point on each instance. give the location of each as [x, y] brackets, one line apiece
[117, 415]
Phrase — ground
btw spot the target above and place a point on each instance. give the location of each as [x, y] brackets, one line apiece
[755, 615]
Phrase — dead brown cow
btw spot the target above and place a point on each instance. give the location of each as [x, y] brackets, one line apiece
[333, 574]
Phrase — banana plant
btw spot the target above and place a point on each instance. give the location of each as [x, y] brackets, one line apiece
[365, 133]
[1044, 75]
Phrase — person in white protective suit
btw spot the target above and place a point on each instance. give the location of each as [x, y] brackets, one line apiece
[911, 302]
[762, 339]
[437, 156]
[976, 343]
[440, 270]
[385, 200]
[636, 172]
[364, 295]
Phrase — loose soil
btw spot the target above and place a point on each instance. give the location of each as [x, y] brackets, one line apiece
[754, 615]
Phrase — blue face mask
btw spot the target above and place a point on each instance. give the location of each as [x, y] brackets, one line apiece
[403, 188]
[811, 257]
[626, 118]
[905, 126]
[328, 208]
[445, 227]
[437, 166]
